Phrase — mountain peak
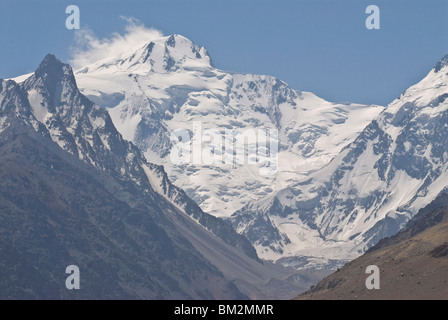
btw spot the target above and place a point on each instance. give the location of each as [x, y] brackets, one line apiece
[160, 55]
[51, 65]
[52, 90]
[175, 51]
[175, 39]
[441, 64]
[51, 71]
[48, 60]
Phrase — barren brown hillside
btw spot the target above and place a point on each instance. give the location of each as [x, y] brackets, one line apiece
[413, 265]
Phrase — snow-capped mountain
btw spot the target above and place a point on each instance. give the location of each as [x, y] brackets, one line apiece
[396, 166]
[169, 85]
[73, 191]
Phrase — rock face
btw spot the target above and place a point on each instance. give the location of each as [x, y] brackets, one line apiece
[413, 264]
[396, 166]
[74, 192]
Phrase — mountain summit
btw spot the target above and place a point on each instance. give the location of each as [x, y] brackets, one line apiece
[162, 55]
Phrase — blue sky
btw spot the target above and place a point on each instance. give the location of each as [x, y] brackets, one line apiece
[321, 46]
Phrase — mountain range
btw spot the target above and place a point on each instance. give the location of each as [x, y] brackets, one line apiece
[169, 83]
[88, 176]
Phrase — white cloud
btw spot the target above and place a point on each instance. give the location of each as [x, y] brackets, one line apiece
[89, 49]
